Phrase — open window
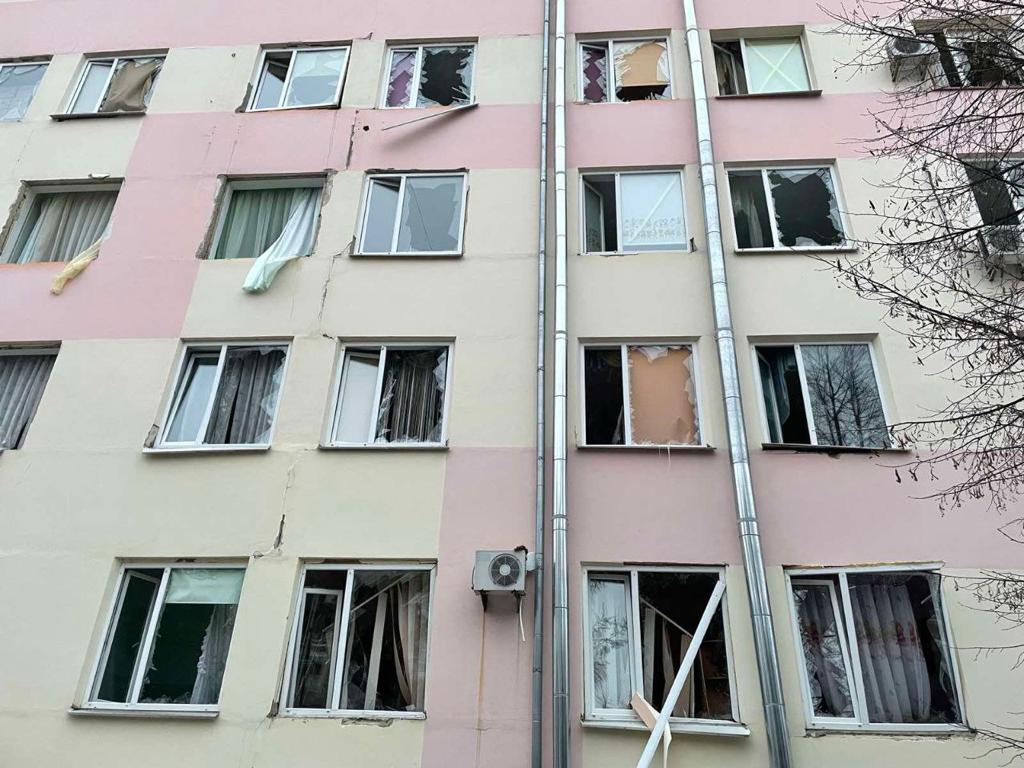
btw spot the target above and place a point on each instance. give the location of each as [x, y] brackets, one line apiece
[166, 646]
[640, 394]
[225, 395]
[23, 377]
[998, 189]
[781, 208]
[874, 649]
[18, 83]
[413, 213]
[123, 84]
[263, 215]
[821, 394]
[633, 211]
[977, 58]
[292, 78]
[391, 394]
[761, 65]
[429, 75]
[359, 641]
[57, 223]
[624, 70]
[639, 624]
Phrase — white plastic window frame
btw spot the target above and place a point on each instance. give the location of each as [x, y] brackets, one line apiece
[148, 640]
[396, 229]
[848, 640]
[14, 65]
[628, 716]
[338, 652]
[414, 86]
[113, 61]
[257, 85]
[796, 347]
[743, 60]
[627, 426]
[777, 246]
[177, 391]
[341, 370]
[611, 86]
[618, 208]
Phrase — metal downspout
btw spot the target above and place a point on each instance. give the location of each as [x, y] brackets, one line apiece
[753, 560]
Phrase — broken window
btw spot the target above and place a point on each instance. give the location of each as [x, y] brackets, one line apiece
[430, 76]
[23, 377]
[822, 394]
[894, 621]
[998, 189]
[18, 83]
[299, 77]
[260, 216]
[640, 395]
[122, 84]
[639, 70]
[977, 59]
[786, 208]
[59, 223]
[225, 395]
[633, 211]
[413, 213]
[168, 639]
[391, 394]
[640, 623]
[360, 640]
[760, 65]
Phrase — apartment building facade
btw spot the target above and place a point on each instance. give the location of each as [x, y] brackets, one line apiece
[268, 382]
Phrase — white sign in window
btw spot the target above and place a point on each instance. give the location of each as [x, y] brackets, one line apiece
[633, 211]
[761, 65]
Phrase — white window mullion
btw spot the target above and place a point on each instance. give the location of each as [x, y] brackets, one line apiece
[214, 388]
[287, 80]
[106, 85]
[611, 83]
[376, 646]
[770, 203]
[375, 410]
[338, 681]
[414, 86]
[746, 68]
[398, 214]
[860, 708]
[620, 246]
[627, 410]
[636, 645]
[146, 651]
[808, 411]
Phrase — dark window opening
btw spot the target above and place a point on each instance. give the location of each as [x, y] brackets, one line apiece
[783, 396]
[805, 207]
[600, 215]
[750, 210]
[603, 397]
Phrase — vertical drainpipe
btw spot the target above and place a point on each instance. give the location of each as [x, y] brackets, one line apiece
[750, 540]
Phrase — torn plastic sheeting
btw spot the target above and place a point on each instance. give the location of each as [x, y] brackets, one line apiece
[445, 76]
[130, 86]
[641, 64]
[662, 403]
[293, 243]
[649, 716]
[75, 267]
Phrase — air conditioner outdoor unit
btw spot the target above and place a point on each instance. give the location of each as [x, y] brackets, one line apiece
[500, 571]
[1004, 242]
[910, 56]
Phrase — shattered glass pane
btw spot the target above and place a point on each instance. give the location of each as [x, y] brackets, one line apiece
[446, 76]
[431, 214]
[806, 209]
[641, 70]
[412, 396]
[17, 87]
[595, 73]
[315, 77]
[652, 211]
[845, 404]
[403, 63]
[820, 638]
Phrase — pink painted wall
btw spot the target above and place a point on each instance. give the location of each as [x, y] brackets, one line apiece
[583, 16]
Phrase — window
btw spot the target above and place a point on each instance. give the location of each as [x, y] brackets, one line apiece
[786, 208]
[260, 215]
[640, 70]
[874, 648]
[359, 642]
[59, 223]
[977, 59]
[639, 625]
[299, 77]
[822, 394]
[23, 377]
[18, 83]
[761, 65]
[391, 394]
[998, 189]
[633, 211]
[429, 75]
[122, 84]
[414, 213]
[226, 394]
[640, 395]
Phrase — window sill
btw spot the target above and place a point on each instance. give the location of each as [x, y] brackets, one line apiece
[386, 447]
[796, 251]
[609, 254]
[803, 448]
[410, 254]
[350, 715]
[703, 448]
[155, 711]
[891, 730]
[773, 95]
[710, 729]
[332, 105]
[196, 449]
[61, 116]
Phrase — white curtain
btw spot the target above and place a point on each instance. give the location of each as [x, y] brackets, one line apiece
[412, 396]
[408, 599]
[823, 653]
[247, 396]
[22, 380]
[257, 218]
[295, 241]
[609, 643]
[61, 225]
[214, 655]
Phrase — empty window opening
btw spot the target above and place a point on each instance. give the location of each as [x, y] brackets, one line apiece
[23, 377]
[977, 59]
[837, 381]
[168, 640]
[260, 216]
[122, 84]
[18, 83]
[299, 77]
[786, 208]
[225, 395]
[633, 211]
[430, 76]
[413, 213]
[640, 70]
[391, 394]
[761, 65]
[57, 224]
[640, 395]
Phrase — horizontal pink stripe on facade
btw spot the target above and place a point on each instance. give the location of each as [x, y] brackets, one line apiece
[585, 16]
[630, 134]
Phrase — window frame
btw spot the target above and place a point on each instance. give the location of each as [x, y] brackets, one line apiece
[848, 638]
[113, 61]
[742, 40]
[396, 229]
[341, 370]
[811, 429]
[338, 652]
[611, 84]
[176, 393]
[618, 174]
[257, 85]
[627, 717]
[954, 38]
[45, 63]
[112, 614]
[382, 101]
[624, 346]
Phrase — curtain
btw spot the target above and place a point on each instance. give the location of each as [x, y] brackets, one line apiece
[408, 602]
[823, 654]
[130, 86]
[22, 380]
[295, 241]
[214, 655]
[595, 73]
[247, 396]
[749, 210]
[608, 606]
[412, 396]
[399, 81]
[60, 225]
[656, 627]
[17, 87]
[257, 218]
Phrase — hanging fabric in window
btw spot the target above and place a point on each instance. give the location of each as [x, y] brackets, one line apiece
[61, 225]
[412, 396]
[22, 380]
[247, 396]
[257, 218]
[130, 86]
[295, 241]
